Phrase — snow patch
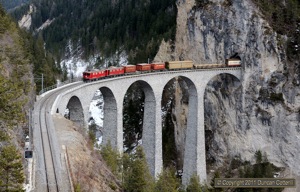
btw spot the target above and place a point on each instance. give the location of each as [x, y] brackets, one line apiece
[96, 113]
[96, 109]
[44, 25]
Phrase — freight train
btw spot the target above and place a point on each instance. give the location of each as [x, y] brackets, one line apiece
[96, 74]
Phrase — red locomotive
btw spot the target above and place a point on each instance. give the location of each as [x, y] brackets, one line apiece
[94, 75]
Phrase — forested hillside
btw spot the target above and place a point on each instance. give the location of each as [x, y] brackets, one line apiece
[10, 4]
[16, 72]
[16, 91]
[284, 17]
[104, 26]
[22, 62]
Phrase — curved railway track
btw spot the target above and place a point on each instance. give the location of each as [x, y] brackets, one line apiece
[51, 175]
[48, 165]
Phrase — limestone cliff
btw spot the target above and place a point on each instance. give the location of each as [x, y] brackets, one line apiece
[260, 112]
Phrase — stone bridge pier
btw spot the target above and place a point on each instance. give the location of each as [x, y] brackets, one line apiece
[114, 90]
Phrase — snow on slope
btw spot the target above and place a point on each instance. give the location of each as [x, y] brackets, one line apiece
[96, 109]
[76, 65]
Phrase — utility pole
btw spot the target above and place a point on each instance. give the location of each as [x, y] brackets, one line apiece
[42, 79]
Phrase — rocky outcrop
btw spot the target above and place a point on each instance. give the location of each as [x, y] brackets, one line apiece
[262, 111]
[26, 20]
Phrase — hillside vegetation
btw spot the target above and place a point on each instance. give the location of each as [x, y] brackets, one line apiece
[22, 58]
[284, 17]
[105, 26]
[11, 4]
[15, 75]
[16, 88]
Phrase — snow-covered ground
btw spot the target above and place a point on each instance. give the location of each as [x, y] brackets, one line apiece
[73, 60]
[96, 113]
[76, 65]
[96, 109]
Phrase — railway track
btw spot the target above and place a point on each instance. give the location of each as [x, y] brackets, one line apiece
[51, 175]
[47, 153]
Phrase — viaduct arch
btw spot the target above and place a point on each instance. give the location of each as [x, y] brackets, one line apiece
[114, 90]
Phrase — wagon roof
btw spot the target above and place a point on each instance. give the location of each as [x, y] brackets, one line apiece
[143, 64]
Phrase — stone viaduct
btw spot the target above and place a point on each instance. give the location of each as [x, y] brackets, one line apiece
[78, 99]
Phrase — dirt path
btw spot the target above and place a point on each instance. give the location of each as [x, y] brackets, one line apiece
[87, 169]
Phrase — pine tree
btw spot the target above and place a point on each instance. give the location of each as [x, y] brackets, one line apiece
[11, 169]
[216, 175]
[258, 157]
[10, 101]
[112, 158]
[167, 181]
[136, 175]
[194, 185]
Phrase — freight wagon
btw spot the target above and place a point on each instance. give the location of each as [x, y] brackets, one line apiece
[233, 62]
[114, 71]
[158, 66]
[130, 69]
[143, 67]
[205, 66]
[172, 65]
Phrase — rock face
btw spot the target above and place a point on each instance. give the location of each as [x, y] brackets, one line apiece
[26, 20]
[179, 118]
[262, 111]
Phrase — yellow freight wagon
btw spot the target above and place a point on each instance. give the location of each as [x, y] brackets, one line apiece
[179, 65]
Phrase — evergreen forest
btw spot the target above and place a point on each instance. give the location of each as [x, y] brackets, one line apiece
[15, 87]
[105, 26]
[11, 4]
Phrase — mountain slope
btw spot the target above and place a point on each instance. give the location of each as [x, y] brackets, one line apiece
[16, 75]
[104, 26]
[11, 4]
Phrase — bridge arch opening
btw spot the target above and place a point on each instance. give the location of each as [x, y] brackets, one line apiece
[103, 117]
[179, 100]
[139, 117]
[110, 115]
[133, 117]
[74, 111]
[96, 116]
[146, 120]
[222, 119]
